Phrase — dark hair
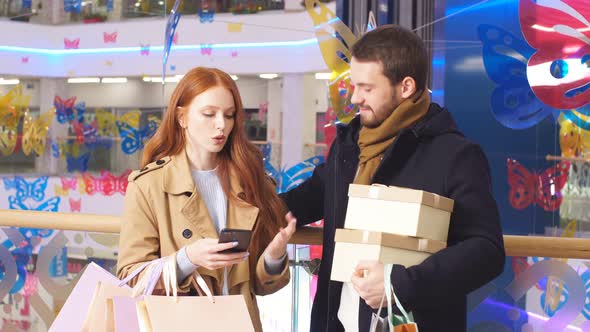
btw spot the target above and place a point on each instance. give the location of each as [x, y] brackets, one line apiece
[401, 52]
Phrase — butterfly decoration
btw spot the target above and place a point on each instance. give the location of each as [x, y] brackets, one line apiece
[25, 189]
[50, 205]
[35, 133]
[77, 163]
[109, 37]
[82, 186]
[112, 184]
[12, 106]
[132, 137]
[73, 6]
[60, 191]
[335, 40]
[543, 189]
[69, 184]
[574, 141]
[206, 15]
[144, 49]
[234, 54]
[513, 103]
[206, 49]
[24, 59]
[288, 179]
[75, 204]
[171, 25]
[558, 70]
[71, 43]
[64, 108]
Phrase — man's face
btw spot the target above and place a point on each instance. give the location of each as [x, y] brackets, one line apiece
[373, 92]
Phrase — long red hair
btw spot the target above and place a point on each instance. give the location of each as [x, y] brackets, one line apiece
[238, 155]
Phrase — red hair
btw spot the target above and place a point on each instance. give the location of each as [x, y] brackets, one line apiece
[238, 155]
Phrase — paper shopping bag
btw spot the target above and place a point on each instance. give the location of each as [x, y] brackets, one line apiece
[125, 314]
[73, 314]
[99, 316]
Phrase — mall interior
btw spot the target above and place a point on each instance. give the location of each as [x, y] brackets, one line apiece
[85, 85]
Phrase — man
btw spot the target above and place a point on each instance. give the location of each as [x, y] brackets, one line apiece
[402, 139]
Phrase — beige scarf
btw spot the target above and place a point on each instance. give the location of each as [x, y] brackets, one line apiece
[374, 141]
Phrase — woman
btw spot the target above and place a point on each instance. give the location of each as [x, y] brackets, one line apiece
[199, 175]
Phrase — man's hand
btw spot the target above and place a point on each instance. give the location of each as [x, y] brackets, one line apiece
[369, 284]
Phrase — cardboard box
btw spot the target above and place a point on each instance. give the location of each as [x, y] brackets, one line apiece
[353, 246]
[398, 210]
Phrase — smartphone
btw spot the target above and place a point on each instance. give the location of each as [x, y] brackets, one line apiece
[241, 236]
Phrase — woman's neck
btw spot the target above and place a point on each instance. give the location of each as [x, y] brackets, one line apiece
[201, 160]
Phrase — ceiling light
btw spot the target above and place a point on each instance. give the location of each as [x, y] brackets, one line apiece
[114, 80]
[322, 76]
[84, 80]
[269, 76]
[234, 77]
[137, 4]
[154, 79]
[9, 81]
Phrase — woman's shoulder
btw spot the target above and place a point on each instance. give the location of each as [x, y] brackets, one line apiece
[150, 173]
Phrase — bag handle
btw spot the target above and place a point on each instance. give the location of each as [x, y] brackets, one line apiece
[389, 292]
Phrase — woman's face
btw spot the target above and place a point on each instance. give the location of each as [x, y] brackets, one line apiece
[209, 120]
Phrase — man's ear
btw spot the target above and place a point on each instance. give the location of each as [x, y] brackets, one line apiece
[408, 87]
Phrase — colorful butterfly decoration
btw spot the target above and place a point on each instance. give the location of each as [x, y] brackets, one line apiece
[35, 133]
[12, 106]
[69, 184]
[132, 137]
[513, 102]
[75, 204]
[543, 189]
[107, 184]
[171, 25]
[79, 163]
[109, 37]
[559, 71]
[24, 189]
[67, 110]
[335, 40]
[50, 205]
[288, 179]
[71, 43]
[206, 16]
[574, 141]
[60, 191]
[206, 49]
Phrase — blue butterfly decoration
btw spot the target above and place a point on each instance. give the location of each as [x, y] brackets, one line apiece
[16, 203]
[73, 6]
[505, 58]
[77, 164]
[66, 112]
[206, 16]
[288, 179]
[133, 139]
[171, 24]
[25, 189]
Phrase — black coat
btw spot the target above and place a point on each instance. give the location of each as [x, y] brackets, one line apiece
[431, 155]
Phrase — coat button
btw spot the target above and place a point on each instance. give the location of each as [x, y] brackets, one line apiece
[187, 233]
[160, 162]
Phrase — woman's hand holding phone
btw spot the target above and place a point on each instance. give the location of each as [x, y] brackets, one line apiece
[207, 253]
